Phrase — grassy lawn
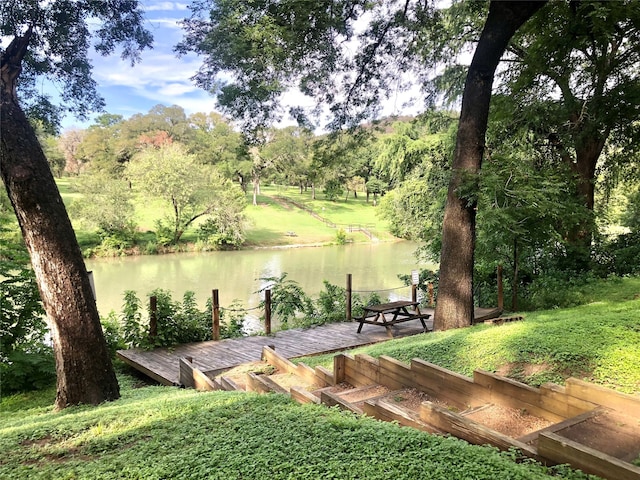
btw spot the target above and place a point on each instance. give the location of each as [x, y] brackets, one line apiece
[341, 212]
[165, 432]
[169, 433]
[269, 223]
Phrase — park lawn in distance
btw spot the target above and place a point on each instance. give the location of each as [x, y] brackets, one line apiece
[269, 223]
[341, 212]
[166, 432]
[272, 220]
[352, 212]
[67, 192]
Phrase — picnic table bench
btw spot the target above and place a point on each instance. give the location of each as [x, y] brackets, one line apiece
[388, 314]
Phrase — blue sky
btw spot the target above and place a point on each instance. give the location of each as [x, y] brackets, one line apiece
[160, 78]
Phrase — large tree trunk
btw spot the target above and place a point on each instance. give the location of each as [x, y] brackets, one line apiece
[84, 370]
[584, 168]
[454, 307]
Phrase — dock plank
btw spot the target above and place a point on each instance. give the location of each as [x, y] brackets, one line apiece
[162, 364]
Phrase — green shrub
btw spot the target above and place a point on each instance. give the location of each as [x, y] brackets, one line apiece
[164, 233]
[132, 330]
[221, 232]
[331, 306]
[177, 322]
[288, 300]
[620, 256]
[150, 248]
[112, 333]
[231, 319]
[26, 362]
[333, 189]
[113, 246]
[26, 369]
[554, 291]
[341, 236]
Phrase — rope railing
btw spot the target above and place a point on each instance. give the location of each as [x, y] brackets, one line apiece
[227, 309]
[381, 289]
[266, 306]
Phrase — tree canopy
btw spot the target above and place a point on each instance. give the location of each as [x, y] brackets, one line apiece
[347, 54]
[61, 34]
[190, 189]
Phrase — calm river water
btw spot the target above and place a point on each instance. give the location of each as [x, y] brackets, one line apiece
[236, 274]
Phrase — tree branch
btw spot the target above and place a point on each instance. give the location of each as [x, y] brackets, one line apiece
[11, 63]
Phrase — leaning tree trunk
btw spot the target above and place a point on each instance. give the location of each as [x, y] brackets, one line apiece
[454, 307]
[83, 365]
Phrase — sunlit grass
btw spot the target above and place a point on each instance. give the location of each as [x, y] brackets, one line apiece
[342, 212]
[598, 342]
[165, 432]
[270, 223]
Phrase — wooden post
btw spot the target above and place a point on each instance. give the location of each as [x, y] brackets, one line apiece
[414, 293]
[500, 289]
[349, 292]
[267, 312]
[153, 318]
[215, 313]
[430, 293]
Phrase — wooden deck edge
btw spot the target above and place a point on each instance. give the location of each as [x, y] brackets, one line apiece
[563, 450]
[150, 373]
[484, 314]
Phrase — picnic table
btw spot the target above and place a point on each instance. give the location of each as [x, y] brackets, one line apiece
[388, 314]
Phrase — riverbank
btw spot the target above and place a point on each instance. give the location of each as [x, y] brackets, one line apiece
[282, 218]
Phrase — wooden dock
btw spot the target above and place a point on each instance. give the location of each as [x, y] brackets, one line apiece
[212, 357]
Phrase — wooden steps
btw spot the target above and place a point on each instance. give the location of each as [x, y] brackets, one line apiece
[557, 424]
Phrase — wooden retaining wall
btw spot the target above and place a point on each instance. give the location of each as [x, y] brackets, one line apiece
[192, 377]
[551, 402]
[568, 405]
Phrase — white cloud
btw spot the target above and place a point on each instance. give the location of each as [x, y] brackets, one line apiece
[153, 6]
[176, 89]
[165, 22]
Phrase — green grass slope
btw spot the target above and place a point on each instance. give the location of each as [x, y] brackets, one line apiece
[268, 223]
[168, 433]
[164, 432]
[597, 342]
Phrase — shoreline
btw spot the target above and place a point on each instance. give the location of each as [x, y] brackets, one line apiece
[135, 252]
